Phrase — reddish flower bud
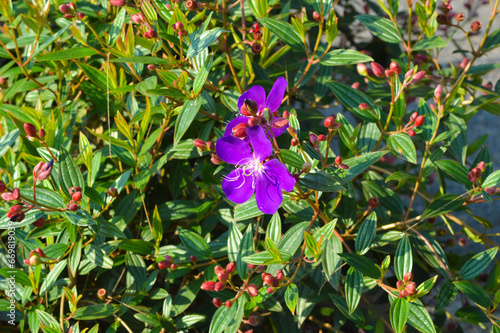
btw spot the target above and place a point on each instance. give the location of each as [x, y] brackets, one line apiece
[210, 146]
[18, 217]
[378, 70]
[252, 290]
[219, 286]
[151, 67]
[250, 267]
[417, 77]
[279, 275]
[118, 3]
[253, 121]
[292, 131]
[270, 290]
[460, 17]
[164, 264]
[322, 137]
[471, 177]
[317, 16]
[411, 133]
[42, 170]
[338, 160]
[81, 16]
[182, 33]
[355, 85]
[419, 121]
[395, 68]
[306, 167]
[229, 303]
[191, 5]
[476, 172]
[329, 122]
[464, 63]
[193, 259]
[208, 286]
[279, 122]
[475, 26]
[256, 48]
[65, 8]
[373, 202]
[77, 196]
[294, 142]
[249, 108]
[223, 275]
[231, 268]
[3, 187]
[217, 302]
[362, 69]
[269, 280]
[402, 294]
[35, 260]
[260, 269]
[408, 277]
[178, 26]
[438, 92]
[39, 223]
[41, 133]
[364, 107]
[413, 116]
[113, 192]
[200, 144]
[409, 74]
[400, 285]
[490, 190]
[73, 207]
[168, 258]
[389, 73]
[136, 19]
[344, 166]
[410, 288]
[74, 189]
[215, 159]
[481, 165]
[313, 139]
[174, 266]
[16, 194]
[102, 294]
[218, 269]
[254, 319]
[30, 130]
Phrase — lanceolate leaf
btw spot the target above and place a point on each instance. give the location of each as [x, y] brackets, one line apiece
[195, 244]
[69, 173]
[291, 297]
[353, 287]
[400, 309]
[343, 57]
[403, 259]
[186, 117]
[381, 28]
[366, 234]
[362, 264]
[477, 264]
[69, 54]
[284, 31]
[352, 98]
[402, 145]
[474, 293]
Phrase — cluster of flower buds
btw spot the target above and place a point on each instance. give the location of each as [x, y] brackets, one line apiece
[138, 18]
[69, 11]
[13, 195]
[406, 287]
[416, 120]
[31, 132]
[76, 197]
[223, 276]
[42, 170]
[475, 174]
[204, 146]
[331, 124]
[151, 33]
[179, 28]
[168, 263]
[272, 282]
[34, 257]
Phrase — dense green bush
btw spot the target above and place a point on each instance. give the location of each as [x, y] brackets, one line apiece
[135, 134]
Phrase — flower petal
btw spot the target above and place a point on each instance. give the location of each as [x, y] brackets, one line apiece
[276, 95]
[261, 145]
[268, 193]
[237, 187]
[256, 94]
[233, 150]
[234, 122]
[278, 169]
[278, 131]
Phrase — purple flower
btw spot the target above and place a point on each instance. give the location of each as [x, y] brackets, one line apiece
[258, 95]
[254, 173]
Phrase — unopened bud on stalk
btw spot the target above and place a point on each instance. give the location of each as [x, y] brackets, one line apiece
[231, 268]
[174, 266]
[294, 142]
[42, 170]
[151, 67]
[113, 192]
[200, 144]
[73, 207]
[419, 121]
[252, 290]
[256, 48]
[279, 122]
[464, 63]
[329, 122]
[460, 17]
[475, 26]
[306, 167]
[364, 107]
[389, 73]
[118, 3]
[215, 159]
[81, 16]
[373, 202]
[217, 302]
[395, 68]
[317, 16]
[378, 70]
[417, 77]
[30, 130]
[322, 137]
[313, 139]
[65, 8]
[286, 114]
[490, 190]
[208, 286]
[39, 223]
[411, 133]
[408, 277]
[219, 286]
[41, 133]
[338, 160]
[355, 85]
[438, 92]
[136, 19]
[191, 5]
[482, 166]
[442, 19]
[362, 69]
[210, 146]
[409, 74]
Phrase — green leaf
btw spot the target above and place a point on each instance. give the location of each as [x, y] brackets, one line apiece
[402, 145]
[291, 297]
[284, 31]
[474, 293]
[7, 141]
[445, 296]
[80, 218]
[93, 312]
[331, 261]
[321, 181]
[419, 318]
[492, 41]
[69, 54]
[203, 41]
[142, 60]
[246, 210]
[353, 288]
[455, 170]
[186, 116]
[341, 304]
[233, 242]
[272, 249]
[403, 258]
[400, 309]
[432, 252]
[157, 226]
[388, 199]
[266, 258]
[424, 288]
[202, 75]
[478, 263]
[116, 27]
[195, 244]
[274, 228]
[291, 158]
[362, 264]
[98, 257]
[366, 234]
[493, 180]
[185, 297]
[52, 277]
[221, 319]
[352, 98]
[443, 205]
[245, 249]
[381, 28]
[458, 146]
[342, 57]
[360, 163]
[429, 43]
[430, 120]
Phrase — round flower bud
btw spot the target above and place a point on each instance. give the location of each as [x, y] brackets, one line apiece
[30, 130]
[378, 70]
[74, 189]
[364, 107]
[252, 290]
[373, 202]
[253, 121]
[65, 8]
[475, 26]
[476, 172]
[460, 17]
[286, 114]
[410, 288]
[164, 264]
[73, 207]
[400, 285]
[210, 146]
[223, 276]
[174, 266]
[313, 139]
[355, 85]
[231, 268]
[438, 92]
[113, 192]
[256, 48]
[218, 269]
[419, 121]
[402, 294]
[317, 16]
[463, 63]
[408, 277]
[417, 77]
[490, 190]
[41, 133]
[338, 160]
[329, 122]
[178, 26]
[389, 73]
[471, 177]
[151, 67]
[269, 280]
[81, 16]
[208, 286]
[279, 275]
[39, 223]
[394, 66]
[200, 144]
[217, 302]
[118, 3]
[191, 5]
[270, 290]
[136, 19]
[294, 142]
[16, 194]
[481, 165]
[193, 259]
[77, 196]
[151, 34]
[215, 159]
[322, 137]
[411, 133]
[35, 260]
[462, 241]
[306, 167]
[168, 258]
[362, 69]
[219, 286]
[229, 303]
[102, 294]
